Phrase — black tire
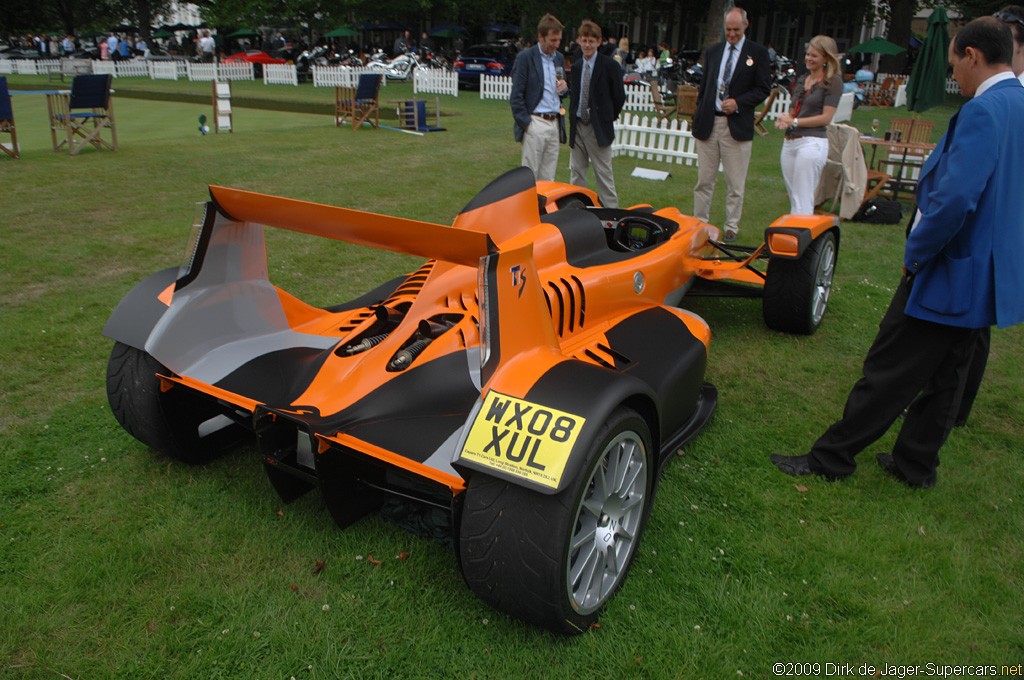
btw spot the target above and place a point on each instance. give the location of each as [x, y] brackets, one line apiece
[526, 553]
[178, 422]
[796, 292]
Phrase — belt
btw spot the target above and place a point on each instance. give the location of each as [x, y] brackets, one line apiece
[721, 113]
[547, 116]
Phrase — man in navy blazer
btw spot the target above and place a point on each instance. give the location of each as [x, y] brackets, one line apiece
[537, 89]
[961, 274]
[738, 77]
[592, 123]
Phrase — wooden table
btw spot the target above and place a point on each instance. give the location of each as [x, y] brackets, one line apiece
[899, 181]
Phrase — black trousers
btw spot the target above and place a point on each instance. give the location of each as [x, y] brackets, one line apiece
[909, 358]
[978, 363]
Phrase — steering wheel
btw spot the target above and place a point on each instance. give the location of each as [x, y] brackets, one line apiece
[634, 232]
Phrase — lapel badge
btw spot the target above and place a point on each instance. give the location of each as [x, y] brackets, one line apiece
[750, 61]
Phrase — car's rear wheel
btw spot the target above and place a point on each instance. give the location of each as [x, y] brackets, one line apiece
[796, 292]
[555, 561]
[181, 423]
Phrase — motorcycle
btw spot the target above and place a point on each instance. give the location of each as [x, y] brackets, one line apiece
[671, 73]
[431, 59]
[783, 73]
[399, 68]
[348, 58]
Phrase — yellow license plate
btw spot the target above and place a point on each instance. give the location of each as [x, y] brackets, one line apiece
[522, 438]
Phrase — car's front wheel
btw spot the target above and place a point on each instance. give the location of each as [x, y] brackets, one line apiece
[796, 292]
[555, 561]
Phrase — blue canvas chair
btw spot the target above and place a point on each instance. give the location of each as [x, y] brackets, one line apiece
[84, 115]
[357, 105]
[415, 113]
[7, 120]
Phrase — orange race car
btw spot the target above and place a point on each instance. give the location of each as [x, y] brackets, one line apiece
[529, 380]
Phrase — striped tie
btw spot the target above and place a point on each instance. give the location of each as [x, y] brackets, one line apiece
[727, 74]
[585, 95]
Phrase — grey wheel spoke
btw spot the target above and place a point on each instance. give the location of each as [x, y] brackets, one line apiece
[823, 283]
[607, 521]
[628, 480]
[586, 535]
[584, 572]
[600, 492]
[631, 502]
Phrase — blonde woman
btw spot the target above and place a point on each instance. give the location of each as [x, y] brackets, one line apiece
[805, 149]
[621, 53]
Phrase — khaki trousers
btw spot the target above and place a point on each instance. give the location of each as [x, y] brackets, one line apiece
[734, 157]
[586, 151]
[540, 148]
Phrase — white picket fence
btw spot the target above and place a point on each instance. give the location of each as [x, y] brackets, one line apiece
[496, 87]
[781, 105]
[32, 67]
[210, 72]
[435, 81]
[163, 70]
[341, 76]
[638, 97]
[662, 140]
[280, 74]
[202, 72]
[334, 76]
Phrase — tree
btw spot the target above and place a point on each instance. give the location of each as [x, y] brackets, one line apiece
[139, 12]
[715, 26]
[900, 15]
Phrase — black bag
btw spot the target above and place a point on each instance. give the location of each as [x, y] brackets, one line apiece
[880, 211]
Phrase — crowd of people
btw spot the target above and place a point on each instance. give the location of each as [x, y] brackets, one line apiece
[959, 273]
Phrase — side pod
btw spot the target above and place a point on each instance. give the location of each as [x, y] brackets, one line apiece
[539, 411]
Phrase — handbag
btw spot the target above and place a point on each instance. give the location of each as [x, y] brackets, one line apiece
[880, 211]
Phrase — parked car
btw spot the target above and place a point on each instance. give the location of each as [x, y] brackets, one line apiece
[491, 59]
[256, 57]
[527, 384]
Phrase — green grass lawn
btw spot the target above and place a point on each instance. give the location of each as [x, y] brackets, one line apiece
[119, 563]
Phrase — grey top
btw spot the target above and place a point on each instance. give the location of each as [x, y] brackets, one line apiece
[814, 102]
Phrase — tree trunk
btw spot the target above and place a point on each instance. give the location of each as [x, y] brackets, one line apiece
[901, 14]
[715, 25]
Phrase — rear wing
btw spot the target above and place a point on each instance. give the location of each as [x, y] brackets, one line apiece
[412, 237]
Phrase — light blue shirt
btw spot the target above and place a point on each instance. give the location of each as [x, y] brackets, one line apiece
[549, 102]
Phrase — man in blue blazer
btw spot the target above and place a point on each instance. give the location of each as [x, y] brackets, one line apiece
[961, 275]
[598, 78]
[737, 78]
[538, 84]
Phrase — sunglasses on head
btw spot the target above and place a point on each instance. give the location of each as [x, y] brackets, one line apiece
[1009, 18]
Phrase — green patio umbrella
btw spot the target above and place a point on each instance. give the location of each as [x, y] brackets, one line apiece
[927, 86]
[163, 33]
[879, 45]
[243, 33]
[341, 32]
[446, 33]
